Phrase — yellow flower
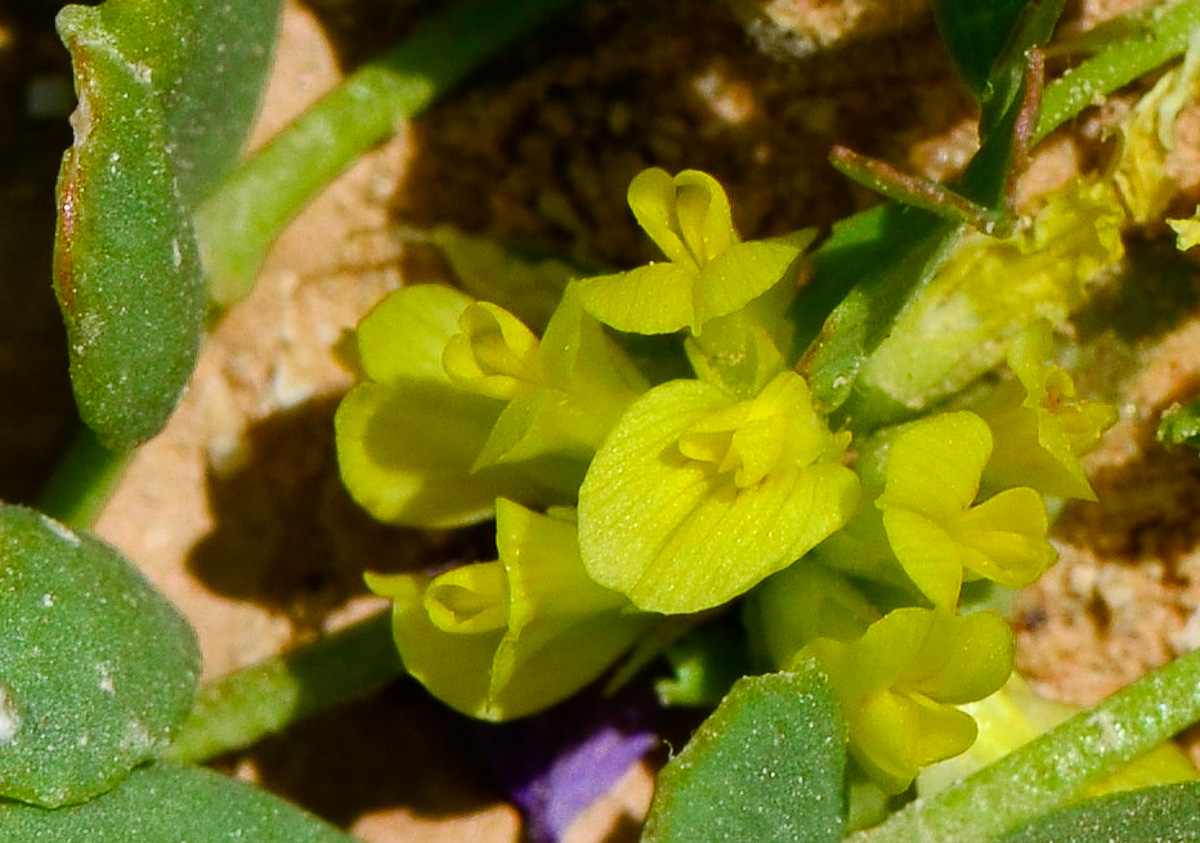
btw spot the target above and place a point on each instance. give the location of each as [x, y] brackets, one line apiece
[502, 639]
[933, 525]
[900, 682]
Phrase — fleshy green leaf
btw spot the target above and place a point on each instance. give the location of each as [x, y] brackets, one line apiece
[503, 639]
[126, 268]
[766, 766]
[696, 497]
[96, 668]
[166, 93]
[1152, 815]
[207, 63]
[163, 802]
[1014, 715]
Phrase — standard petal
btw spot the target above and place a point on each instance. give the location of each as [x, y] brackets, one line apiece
[745, 271]
[402, 337]
[652, 299]
[678, 535]
[934, 464]
[406, 453]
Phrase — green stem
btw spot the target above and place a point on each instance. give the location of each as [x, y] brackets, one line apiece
[237, 224]
[238, 710]
[1049, 771]
[83, 480]
[1155, 38]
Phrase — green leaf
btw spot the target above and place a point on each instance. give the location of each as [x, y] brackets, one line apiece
[1164, 31]
[164, 802]
[166, 94]
[902, 248]
[975, 32]
[126, 269]
[96, 668]
[767, 765]
[1151, 815]
[862, 277]
[1181, 426]
[207, 62]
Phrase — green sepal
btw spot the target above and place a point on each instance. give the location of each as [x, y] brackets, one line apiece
[696, 497]
[802, 603]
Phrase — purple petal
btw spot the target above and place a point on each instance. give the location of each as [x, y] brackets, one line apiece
[557, 763]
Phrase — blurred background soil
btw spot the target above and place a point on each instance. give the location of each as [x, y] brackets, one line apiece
[236, 511]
